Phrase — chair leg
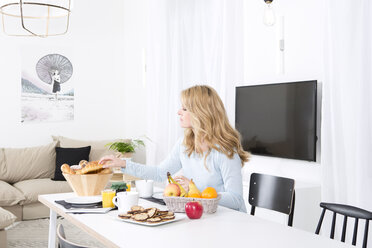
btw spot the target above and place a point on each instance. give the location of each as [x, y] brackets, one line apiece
[290, 217]
[355, 231]
[333, 226]
[253, 208]
[365, 234]
[320, 221]
[343, 235]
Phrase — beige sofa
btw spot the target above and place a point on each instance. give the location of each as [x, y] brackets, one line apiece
[25, 173]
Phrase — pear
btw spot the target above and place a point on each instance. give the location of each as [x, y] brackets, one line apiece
[193, 190]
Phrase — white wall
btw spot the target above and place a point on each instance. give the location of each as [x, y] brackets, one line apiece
[303, 61]
[133, 67]
[97, 44]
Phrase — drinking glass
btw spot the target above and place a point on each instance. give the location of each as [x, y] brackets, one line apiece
[107, 196]
[129, 185]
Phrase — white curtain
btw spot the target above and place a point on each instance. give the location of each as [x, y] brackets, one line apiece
[347, 104]
[190, 42]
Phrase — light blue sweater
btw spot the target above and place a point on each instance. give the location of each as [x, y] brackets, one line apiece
[224, 174]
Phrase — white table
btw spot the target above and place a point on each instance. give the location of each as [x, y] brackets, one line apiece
[225, 228]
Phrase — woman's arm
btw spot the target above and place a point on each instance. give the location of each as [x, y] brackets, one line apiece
[233, 183]
[157, 173]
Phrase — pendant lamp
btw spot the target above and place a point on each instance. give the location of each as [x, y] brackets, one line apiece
[40, 18]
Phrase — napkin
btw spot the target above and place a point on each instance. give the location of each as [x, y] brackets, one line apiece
[156, 200]
[92, 208]
[67, 205]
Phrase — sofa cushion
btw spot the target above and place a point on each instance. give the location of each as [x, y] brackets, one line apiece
[9, 195]
[6, 218]
[35, 211]
[98, 148]
[18, 164]
[31, 189]
[70, 156]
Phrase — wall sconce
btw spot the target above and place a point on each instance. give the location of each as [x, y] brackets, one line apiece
[269, 15]
[41, 18]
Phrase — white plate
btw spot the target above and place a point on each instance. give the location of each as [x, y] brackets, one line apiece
[84, 199]
[158, 195]
[177, 218]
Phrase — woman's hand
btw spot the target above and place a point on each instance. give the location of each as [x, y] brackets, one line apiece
[112, 161]
[183, 181]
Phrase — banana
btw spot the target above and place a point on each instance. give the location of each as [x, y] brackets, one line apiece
[171, 180]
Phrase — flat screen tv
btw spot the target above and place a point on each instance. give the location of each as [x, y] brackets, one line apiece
[278, 120]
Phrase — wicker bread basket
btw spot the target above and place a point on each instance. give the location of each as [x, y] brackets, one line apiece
[177, 204]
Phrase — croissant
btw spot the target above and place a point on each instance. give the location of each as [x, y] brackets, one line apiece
[65, 168]
[105, 171]
[92, 167]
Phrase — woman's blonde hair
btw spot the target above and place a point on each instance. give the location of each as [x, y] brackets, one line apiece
[209, 123]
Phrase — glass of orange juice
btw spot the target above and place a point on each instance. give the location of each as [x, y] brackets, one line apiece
[129, 184]
[107, 196]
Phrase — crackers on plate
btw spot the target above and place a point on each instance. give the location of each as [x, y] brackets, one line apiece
[149, 215]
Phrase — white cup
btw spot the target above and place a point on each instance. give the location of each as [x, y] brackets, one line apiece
[125, 200]
[145, 188]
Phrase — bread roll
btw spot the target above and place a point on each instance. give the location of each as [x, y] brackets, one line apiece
[85, 167]
[83, 163]
[65, 168]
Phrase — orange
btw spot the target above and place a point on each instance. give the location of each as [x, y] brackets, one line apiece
[194, 195]
[209, 192]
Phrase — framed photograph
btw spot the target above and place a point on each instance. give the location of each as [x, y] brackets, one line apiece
[47, 86]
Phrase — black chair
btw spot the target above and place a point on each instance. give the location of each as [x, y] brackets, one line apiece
[272, 192]
[346, 211]
[63, 242]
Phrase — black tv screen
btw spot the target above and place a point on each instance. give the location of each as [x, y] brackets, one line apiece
[278, 120]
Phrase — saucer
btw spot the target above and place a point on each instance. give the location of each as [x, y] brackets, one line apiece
[158, 195]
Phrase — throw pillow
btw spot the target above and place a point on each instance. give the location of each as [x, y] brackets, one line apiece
[6, 218]
[31, 189]
[9, 195]
[70, 156]
[18, 164]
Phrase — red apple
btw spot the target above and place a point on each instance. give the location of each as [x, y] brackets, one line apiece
[194, 209]
[172, 189]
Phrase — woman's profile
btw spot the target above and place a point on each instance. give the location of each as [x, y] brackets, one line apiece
[210, 151]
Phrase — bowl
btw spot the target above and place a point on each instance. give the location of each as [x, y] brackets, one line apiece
[177, 204]
[88, 185]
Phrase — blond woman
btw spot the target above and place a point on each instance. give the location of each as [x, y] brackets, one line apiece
[210, 151]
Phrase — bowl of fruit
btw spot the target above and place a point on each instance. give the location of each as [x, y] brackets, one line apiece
[176, 197]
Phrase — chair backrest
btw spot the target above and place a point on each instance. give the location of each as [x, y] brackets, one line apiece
[62, 242]
[272, 192]
[346, 211]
